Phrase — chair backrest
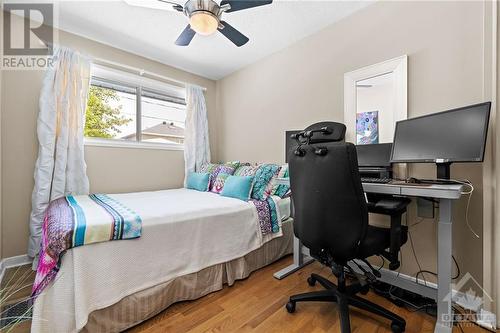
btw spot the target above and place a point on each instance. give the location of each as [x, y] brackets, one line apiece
[330, 207]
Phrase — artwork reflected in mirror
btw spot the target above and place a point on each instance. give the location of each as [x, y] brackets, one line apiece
[367, 128]
[375, 100]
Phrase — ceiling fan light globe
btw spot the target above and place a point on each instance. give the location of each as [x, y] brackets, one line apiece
[203, 23]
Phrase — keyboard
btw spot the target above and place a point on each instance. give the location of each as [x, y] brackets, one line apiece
[376, 180]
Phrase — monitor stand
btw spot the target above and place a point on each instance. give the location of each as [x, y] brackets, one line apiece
[443, 170]
[443, 175]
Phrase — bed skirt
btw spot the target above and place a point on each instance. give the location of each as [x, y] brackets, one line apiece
[147, 303]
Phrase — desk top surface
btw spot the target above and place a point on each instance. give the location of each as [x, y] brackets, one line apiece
[438, 191]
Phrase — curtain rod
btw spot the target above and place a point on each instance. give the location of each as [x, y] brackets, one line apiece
[139, 71]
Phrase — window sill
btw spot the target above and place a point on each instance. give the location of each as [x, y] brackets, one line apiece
[95, 142]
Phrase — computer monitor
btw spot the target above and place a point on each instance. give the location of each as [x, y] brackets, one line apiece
[375, 155]
[457, 135]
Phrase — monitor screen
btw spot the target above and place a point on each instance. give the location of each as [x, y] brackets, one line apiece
[457, 135]
[377, 155]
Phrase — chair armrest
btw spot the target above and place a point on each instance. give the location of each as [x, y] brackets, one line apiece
[395, 207]
[396, 242]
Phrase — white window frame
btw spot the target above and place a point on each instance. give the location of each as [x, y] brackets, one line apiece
[138, 83]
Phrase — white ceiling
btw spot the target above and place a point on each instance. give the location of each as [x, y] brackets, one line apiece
[151, 32]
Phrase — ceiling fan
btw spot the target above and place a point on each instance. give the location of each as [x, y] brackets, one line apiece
[205, 17]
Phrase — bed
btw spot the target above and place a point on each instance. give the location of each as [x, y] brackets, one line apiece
[192, 243]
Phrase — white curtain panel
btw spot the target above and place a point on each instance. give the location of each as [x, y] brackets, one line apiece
[196, 142]
[60, 168]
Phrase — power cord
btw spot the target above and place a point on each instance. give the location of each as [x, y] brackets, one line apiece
[457, 274]
[383, 263]
[468, 183]
[465, 182]
[416, 257]
[423, 271]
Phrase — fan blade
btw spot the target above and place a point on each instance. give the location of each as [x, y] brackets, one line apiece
[155, 4]
[185, 37]
[244, 4]
[233, 35]
[175, 6]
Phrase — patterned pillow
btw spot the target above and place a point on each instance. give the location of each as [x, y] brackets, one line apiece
[233, 164]
[246, 170]
[219, 171]
[208, 167]
[263, 177]
[281, 190]
[219, 182]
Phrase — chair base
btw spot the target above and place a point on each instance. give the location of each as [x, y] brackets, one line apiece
[345, 296]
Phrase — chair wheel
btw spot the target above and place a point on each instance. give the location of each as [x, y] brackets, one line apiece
[290, 307]
[311, 281]
[397, 328]
[365, 290]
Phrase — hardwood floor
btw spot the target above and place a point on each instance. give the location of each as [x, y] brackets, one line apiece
[257, 305]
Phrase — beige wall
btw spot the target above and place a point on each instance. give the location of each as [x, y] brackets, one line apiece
[110, 170]
[303, 84]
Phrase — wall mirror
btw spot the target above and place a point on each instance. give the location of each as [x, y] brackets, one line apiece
[375, 98]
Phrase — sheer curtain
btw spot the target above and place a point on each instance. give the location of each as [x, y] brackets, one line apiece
[60, 168]
[196, 142]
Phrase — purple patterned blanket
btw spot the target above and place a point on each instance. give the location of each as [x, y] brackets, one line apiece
[268, 215]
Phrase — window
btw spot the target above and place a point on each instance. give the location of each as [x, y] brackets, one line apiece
[111, 111]
[125, 109]
[162, 120]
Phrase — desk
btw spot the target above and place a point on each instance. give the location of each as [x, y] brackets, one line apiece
[445, 194]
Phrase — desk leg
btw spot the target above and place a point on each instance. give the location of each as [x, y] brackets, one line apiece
[299, 260]
[444, 311]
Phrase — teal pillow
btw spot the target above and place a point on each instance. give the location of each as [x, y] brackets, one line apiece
[238, 187]
[198, 181]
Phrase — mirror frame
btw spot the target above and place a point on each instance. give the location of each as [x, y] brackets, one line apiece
[399, 66]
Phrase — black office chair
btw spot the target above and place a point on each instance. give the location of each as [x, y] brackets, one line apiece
[331, 219]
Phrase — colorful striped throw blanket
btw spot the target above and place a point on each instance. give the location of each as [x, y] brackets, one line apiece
[80, 220]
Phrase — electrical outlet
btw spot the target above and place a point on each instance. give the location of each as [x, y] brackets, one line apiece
[425, 208]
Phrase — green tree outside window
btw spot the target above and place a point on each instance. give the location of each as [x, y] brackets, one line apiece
[102, 120]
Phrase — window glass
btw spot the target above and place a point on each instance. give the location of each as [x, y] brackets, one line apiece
[111, 112]
[162, 119]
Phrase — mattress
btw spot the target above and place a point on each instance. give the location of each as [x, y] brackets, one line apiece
[184, 231]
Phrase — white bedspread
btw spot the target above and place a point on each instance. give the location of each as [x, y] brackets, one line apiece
[184, 231]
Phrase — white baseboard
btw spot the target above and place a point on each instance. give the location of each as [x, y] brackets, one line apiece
[13, 262]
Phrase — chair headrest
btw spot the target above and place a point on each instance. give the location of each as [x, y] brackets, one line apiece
[325, 131]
